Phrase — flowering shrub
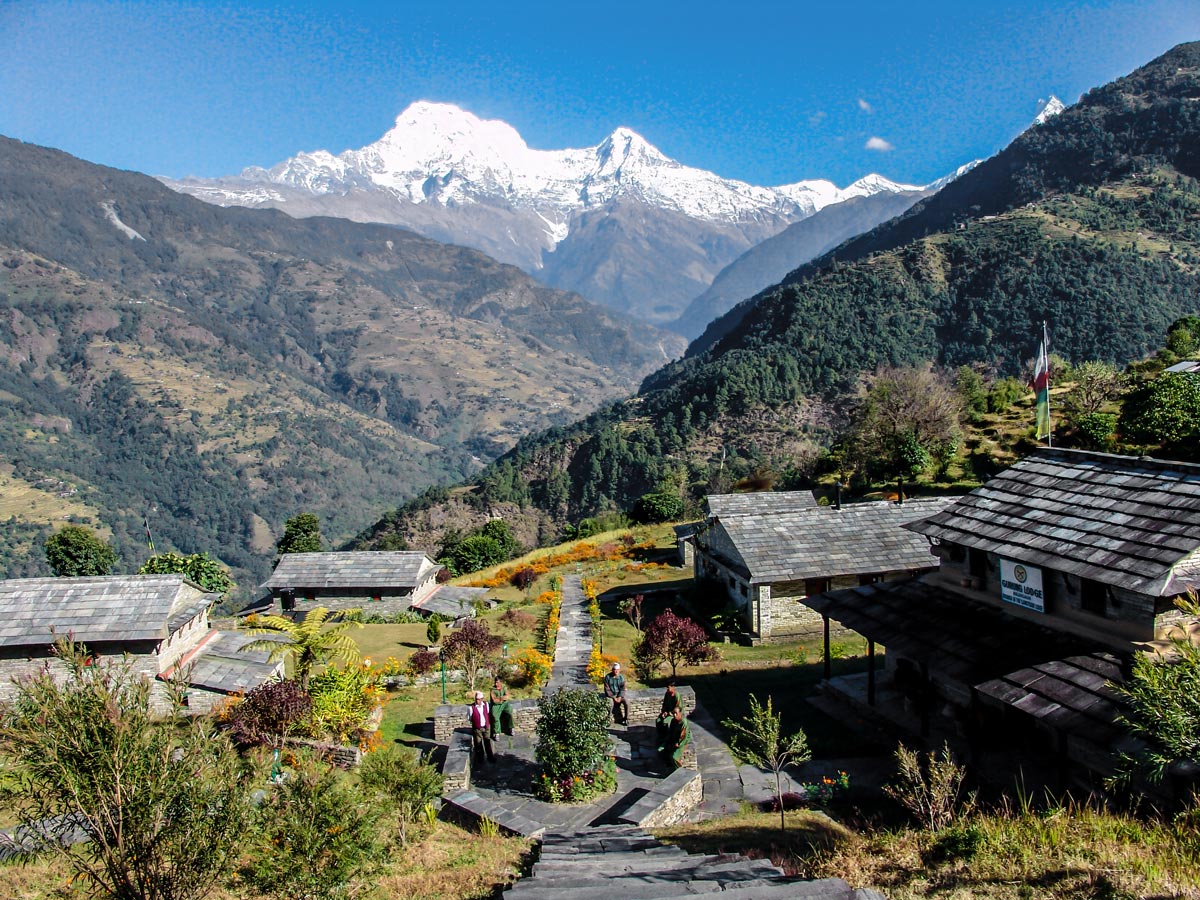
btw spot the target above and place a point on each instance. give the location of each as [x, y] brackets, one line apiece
[549, 630]
[579, 552]
[391, 667]
[573, 741]
[533, 666]
[599, 664]
[827, 788]
[343, 701]
[578, 788]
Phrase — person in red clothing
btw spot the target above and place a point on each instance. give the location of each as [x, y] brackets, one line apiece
[480, 718]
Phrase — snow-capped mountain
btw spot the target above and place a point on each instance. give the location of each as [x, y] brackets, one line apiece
[1050, 108]
[619, 222]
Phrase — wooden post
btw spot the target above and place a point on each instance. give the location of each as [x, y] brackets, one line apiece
[870, 673]
[828, 661]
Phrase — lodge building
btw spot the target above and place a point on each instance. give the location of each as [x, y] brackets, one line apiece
[1053, 575]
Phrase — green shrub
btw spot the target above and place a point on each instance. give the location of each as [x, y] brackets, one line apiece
[315, 833]
[342, 701]
[1096, 430]
[572, 734]
[407, 782]
[958, 842]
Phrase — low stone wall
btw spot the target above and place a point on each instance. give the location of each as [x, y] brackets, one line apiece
[644, 707]
[341, 755]
[456, 770]
[668, 803]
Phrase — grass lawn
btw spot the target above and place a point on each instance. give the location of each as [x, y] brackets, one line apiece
[378, 642]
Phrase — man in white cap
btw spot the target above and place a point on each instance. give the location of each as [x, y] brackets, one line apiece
[480, 718]
[614, 689]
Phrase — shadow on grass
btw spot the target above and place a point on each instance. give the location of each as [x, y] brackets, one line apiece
[725, 694]
[760, 836]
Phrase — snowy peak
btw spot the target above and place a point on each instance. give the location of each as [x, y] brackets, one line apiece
[440, 154]
[1049, 110]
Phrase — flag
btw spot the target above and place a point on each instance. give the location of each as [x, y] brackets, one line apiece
[1041, 388]
[149, 539]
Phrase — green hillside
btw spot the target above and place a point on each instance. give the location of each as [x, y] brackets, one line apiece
[218, 370]
[1090, 222]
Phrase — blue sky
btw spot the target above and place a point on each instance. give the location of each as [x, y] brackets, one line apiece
[767, 92]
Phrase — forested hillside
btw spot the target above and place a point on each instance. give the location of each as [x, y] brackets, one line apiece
[1090, 222]
[220, 369]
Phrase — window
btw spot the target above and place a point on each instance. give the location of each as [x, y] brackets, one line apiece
[870, 579]
[814, 586]
[1093, 596]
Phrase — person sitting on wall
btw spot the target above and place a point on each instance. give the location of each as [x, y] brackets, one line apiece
[614, 689]
[500, 711]
[670, 703]
[480, 718]
[679, 735]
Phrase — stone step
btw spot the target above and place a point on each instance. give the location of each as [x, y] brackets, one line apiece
[609, 866]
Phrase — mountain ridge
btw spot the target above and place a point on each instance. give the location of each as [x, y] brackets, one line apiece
[230, 365]
[452, 176]
[1090, 221]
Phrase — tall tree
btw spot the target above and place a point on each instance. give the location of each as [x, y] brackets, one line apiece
[904, 416]
[473, 647]
[74, 550]
[301, 534]
[308, 643]
[199, 568]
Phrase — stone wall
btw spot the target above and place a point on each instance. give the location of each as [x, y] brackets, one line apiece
[343, 756]
[644, 707]
[143, 664]
[668, 802]
[456, 769]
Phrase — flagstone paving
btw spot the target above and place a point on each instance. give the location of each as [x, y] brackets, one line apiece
[586, 852]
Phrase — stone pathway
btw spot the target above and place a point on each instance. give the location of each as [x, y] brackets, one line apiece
[626, 863]
[585, 853]
[573, 646]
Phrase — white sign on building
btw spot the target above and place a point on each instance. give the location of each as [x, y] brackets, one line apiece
[1021, 585]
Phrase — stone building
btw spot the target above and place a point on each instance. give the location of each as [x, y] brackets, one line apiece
[1053, 574]
[157, 623]
[770, 551]
[381, 582]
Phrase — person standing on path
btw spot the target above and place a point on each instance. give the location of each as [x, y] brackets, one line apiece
[614, 689]
[500, 711]
[480, 718]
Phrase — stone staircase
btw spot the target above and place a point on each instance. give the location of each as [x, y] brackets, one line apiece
[627, 863]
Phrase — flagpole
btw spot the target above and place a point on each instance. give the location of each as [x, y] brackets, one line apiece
[1049, 422]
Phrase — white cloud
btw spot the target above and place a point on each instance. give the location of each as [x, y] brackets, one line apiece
[816, 118]
[878, 143]
[865, 106]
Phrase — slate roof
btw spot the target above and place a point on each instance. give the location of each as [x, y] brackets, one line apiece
[759, 503]
[822, 542]
[1129, 522]
[1059, 679]
[351, 569]
[221, 665]
[451, 601]
[99, 609]
[1188, 366]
